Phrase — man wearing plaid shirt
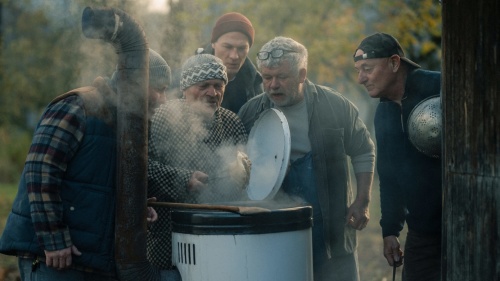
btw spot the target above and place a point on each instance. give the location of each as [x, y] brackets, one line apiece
[62, 221]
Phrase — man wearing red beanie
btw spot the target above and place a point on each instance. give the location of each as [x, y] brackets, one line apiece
[232, 37]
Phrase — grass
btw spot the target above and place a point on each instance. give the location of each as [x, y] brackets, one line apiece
[373, 266]
[7, 194]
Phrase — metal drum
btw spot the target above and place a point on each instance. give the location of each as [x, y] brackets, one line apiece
[271, 246]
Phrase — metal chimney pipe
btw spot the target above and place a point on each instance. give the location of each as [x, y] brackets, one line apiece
[129, 40]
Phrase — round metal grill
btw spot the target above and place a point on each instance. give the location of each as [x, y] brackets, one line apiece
[425, 126]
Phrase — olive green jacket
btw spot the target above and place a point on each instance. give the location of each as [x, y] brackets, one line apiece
[335, 132]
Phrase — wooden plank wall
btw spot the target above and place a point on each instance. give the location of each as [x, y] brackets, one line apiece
[471, 140]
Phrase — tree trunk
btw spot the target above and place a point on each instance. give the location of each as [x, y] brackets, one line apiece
[471, 142]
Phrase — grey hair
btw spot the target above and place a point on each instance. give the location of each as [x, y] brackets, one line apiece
[297, 58]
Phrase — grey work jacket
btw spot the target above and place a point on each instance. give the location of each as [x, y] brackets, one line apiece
[335, 132]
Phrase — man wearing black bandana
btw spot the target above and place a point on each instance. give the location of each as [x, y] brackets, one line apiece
[410, 181]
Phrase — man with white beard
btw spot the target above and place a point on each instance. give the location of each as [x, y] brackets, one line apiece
[194, 149]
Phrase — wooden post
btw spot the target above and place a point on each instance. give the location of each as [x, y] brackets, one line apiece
[471, 142]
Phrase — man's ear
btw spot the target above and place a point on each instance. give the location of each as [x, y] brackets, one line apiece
[302, 75]
[395, 61]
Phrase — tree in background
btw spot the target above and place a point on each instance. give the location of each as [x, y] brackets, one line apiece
[331, 31]
[43, 52]
[41, 58]
[36, 58]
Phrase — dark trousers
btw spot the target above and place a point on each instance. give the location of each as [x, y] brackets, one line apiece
[422, 257]
[44, 273]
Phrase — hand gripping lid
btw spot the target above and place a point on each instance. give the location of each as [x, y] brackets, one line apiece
[268, 148]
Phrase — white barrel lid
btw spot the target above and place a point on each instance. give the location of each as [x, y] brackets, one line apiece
[268, 148]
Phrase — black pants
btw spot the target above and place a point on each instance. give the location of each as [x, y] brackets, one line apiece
[422, 257]
[44, 273]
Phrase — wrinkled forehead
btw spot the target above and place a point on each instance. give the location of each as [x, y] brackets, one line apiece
[277, 67]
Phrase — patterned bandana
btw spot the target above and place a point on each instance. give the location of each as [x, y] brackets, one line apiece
[202, 67]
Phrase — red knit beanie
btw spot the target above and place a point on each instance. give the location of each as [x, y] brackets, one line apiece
[233, 22]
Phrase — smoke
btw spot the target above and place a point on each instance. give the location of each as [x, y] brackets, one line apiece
[98, 58]
[186, 140]
[158, 6]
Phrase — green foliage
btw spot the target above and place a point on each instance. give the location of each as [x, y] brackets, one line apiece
[7, 194]
[417, 25]
[44, 54]
[34, 60]
[13, 151]
[330, 30]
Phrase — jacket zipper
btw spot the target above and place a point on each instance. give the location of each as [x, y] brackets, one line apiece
[401, 113]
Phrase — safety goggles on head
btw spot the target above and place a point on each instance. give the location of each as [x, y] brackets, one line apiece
[276, 53]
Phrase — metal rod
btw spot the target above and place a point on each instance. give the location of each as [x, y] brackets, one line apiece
[242, 210]
[394, 271]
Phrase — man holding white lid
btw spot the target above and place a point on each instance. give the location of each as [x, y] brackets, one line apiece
[325, 129]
